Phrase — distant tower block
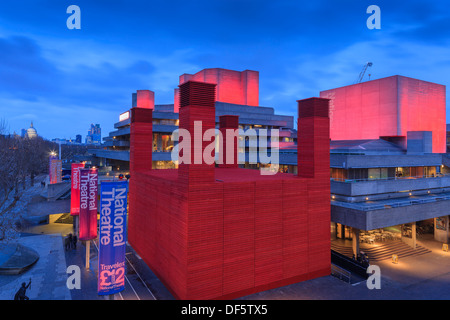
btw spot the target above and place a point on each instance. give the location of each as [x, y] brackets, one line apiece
[237, 87]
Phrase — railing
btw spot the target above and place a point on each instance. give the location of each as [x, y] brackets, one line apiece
[340, 273]
[387, 204]
[348, 264]
[438, 175]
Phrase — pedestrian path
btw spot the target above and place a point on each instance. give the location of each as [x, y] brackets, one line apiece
[48, 276]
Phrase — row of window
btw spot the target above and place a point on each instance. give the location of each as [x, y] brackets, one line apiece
[384, 173]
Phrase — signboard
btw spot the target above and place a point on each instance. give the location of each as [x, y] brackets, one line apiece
[88, 204]
[75, 189]
[124, 116]
[55, 169]
[112, 237]
[395, 258]
[441, 223]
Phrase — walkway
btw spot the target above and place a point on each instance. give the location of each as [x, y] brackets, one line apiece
[48, 275]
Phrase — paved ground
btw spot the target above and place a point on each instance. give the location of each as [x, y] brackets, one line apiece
[48, 275]
[422, 277]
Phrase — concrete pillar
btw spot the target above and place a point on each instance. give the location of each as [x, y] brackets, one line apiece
[410, 241]
[448, 229]
[355, 242]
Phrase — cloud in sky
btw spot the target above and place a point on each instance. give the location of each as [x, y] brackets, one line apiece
[63, 80]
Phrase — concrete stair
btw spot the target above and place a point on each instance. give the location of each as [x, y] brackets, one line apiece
[382, 251]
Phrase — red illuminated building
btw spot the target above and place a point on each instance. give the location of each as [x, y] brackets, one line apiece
[388, 108]
[223, 232]
[232, 86]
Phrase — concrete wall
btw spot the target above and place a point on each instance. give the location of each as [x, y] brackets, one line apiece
[419, 142]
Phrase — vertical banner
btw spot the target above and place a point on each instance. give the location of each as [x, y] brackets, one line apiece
[112, 237]
[88, 204]
[58, 169]
[51, 173]
[54, 170]
[75, 189]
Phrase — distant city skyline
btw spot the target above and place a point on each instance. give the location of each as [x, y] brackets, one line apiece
[63, 80]
[93, 135]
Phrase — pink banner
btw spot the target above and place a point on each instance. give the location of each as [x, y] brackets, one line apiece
[88, 204]
[75, 192]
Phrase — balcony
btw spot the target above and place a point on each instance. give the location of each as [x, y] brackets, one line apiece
[362, 188]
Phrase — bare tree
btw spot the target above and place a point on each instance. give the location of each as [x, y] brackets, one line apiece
[20, 159]
[9, 182]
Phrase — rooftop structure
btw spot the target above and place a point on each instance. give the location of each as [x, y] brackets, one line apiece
[236, 87]
[388, 108]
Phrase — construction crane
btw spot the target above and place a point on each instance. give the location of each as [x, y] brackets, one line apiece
[363, 71]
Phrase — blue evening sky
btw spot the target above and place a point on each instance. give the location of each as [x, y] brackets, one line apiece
[63, 80]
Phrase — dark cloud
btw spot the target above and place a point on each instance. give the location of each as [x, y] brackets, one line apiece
[24, 72]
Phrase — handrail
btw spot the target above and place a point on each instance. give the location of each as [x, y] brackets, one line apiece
[340, 273]
[349, 264]
[439, 175]
[392, 203]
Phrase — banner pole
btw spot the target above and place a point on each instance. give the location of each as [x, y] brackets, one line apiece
[88, 251]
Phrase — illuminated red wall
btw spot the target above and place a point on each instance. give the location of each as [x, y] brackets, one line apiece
[238, 87]
[221, 233]
[230, 142]
[145, 99]
[388, 107]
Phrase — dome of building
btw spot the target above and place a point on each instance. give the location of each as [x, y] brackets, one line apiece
[31, 131]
